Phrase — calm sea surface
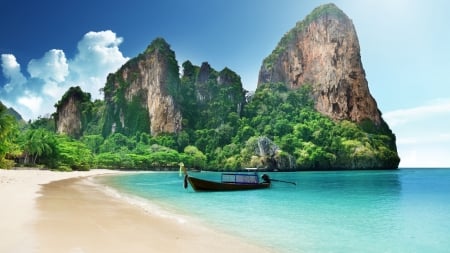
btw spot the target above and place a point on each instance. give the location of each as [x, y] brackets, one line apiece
[406, 210]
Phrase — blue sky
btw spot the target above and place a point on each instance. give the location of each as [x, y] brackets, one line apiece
[47, 46]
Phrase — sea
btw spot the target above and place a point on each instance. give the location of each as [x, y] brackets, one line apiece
[404, 210]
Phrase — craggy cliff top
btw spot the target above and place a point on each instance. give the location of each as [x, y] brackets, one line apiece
[323, 51]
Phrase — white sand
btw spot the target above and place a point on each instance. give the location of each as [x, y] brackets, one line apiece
[18, 193]
[76, 216]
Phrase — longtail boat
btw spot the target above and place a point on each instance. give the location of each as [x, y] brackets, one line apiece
[230, 182]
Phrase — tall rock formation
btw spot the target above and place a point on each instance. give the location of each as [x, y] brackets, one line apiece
[323, 51]
[210, 96]
[72, 112]
[141, 95]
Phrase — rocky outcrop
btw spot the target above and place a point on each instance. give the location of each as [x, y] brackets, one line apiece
[141, 96]
[323, 51]
[69, 116]
[210, 96]
[205, 75]
[265, 154]
[211, 84]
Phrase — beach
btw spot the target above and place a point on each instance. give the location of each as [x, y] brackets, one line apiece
[46, 211]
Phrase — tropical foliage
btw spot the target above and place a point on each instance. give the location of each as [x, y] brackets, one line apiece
[8, 132]
[277, 129]
[224, 128]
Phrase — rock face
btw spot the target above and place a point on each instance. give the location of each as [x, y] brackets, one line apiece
[210, 96]
[69, 118]
[323, 51]
[141, 95]
[69, 109]
[268, 155]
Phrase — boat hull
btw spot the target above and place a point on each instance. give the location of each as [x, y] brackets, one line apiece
[205, 185]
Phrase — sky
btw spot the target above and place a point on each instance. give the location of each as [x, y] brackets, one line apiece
[48, 46]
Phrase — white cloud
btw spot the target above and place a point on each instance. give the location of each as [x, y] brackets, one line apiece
[100, 52]
[31, 101]
[424, 156]
[407, 116]
[53, 74]
[52, 67]
[424, 139]
[54, 89]
[11, 70]
[423, 134]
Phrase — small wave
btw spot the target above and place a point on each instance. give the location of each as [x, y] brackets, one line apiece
[142, 203]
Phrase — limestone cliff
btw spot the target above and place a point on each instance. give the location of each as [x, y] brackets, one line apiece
[72, 112]
[140, 96]
[323, 51]
[210, 96]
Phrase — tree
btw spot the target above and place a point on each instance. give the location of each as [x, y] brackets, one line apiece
[93, 142]
[311, 156]
[282, 127]
[73, 154]
[116, 142]
[166, 140]
[196, 158]
[43, 122]
[8, 131]
[183, 139]
[35, 143]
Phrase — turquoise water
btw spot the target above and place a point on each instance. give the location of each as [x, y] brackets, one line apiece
[406, 210]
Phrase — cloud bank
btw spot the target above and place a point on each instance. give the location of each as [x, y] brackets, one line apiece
[436, 108]
[47, 78]
[423, 134]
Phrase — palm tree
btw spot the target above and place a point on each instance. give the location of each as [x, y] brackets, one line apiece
[36, 142]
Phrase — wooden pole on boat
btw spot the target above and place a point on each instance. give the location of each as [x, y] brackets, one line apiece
[184, 171]
[266, 178]
[281, 181]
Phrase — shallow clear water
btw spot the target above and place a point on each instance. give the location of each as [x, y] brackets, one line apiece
[406, 210]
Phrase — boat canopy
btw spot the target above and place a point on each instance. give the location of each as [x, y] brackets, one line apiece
[238, 178]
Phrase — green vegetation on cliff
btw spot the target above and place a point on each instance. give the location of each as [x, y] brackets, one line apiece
[132, 112]
[161, 48]
[209, 97]
[84, 104]
[277, 129]
[222, 129]
[128, 113]
[315, 141]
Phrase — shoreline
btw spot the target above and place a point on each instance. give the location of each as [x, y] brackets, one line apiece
[19, 190]
[66, 212]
